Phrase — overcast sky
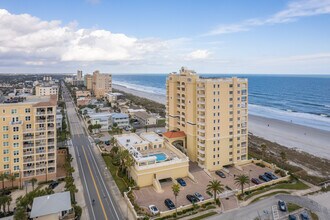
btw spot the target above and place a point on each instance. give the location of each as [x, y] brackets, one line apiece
[148, 36]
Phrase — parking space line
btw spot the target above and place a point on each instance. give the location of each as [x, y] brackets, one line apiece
[276, 215]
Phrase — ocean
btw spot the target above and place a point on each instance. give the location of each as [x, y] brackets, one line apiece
[303, 99]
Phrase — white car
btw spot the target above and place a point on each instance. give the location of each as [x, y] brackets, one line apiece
[199, 196]
[153, 209]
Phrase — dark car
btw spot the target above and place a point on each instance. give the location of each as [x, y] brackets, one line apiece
[53, 184]
[255, 181]
[220, 173]
[181, 182]
[169, 204]
[292, 217]
[192, 199]
[304, 216]
[282, 205]
[270, 175]
[264, 178]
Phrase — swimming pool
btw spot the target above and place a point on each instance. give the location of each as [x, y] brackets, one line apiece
[159, 156]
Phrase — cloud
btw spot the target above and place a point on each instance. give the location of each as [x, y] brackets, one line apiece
[31, 41]
[293, 11]
[198, 55]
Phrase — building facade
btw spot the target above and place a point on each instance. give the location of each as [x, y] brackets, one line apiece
[79, 75]
[28, 137]
[120, 119]
[102, 84]
[46, 90]
[213, 113]
[88, 82]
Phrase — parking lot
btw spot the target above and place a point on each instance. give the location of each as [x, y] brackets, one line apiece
[148, 196]
[251, 170]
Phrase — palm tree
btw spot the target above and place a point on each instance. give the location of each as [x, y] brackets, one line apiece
[176, 190]
[9, 199]
[3, 177]
[216, 187]
[263, 150]
[123, 154]
[3, 202]
[129, 163]
[12, 178]
[33, 182]
[241, 180]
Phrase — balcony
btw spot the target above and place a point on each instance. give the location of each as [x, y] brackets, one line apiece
[28, 152]
[28, 145]
[201, 137]
[201, 158]
[40, 113]
[28, 137]
[40, 137]
[16, 122]
[28, 167]
[40, 121]
[201, 151]
[28, 174]
[26, 160]
[41, 129]
[40, 158]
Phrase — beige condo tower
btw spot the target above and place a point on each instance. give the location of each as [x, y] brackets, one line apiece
[213, 114]
[102, 84]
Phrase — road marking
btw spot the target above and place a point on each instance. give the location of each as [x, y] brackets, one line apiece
[275, 212]
[98, 170]
[85, 183]
[97, 190]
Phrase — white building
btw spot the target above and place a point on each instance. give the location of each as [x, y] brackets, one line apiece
[102, 119]
[113, 97]
[145, 118]
[59, 119]
[122, 120]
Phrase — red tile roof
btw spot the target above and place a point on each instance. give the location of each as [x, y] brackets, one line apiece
[174, 134]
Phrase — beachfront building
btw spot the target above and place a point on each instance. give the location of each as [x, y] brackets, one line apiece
[145, 118]
[154, 159]
[28, 138]
[102, 84]
[121, 120]
[113, 96]
[212, 113]
[88, 82]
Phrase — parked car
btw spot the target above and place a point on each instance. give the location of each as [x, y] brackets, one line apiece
[220, 173]
[264, 178]
[169, 204]
[181, 181]
[199, 196]
[192, 198]
[282, 205]
[292, 217]
[53, 184]
[271, 176]
[153, 209]
[304, 216]
[255, 181]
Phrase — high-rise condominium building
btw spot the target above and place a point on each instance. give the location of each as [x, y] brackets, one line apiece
[212, 113]
[28, 137]
[88, 81]
[79, 75]
[101, 84]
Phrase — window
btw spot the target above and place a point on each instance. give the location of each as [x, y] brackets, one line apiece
[15, 137]
[28, 126]
[3, 111]
[16, 145]
[230, 85]
[15, 129]
[6, 159]
[5, 151]
[230, 92]
[5, 144]
[27, 118]
[6, 166]
[16, 167]
[16, 160]
[16, 153]
[14, 111]
[27, 110]
[5, 136]
[5, 128]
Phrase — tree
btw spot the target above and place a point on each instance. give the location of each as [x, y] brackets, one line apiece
[241, 180]
[283, 156]
[12, 178]
[3, 202]
[263, 150]
[20, 214]
[33, 182]
[129, 163]
[3, 177]
[176, 190]
[9, 199]
[216, 187]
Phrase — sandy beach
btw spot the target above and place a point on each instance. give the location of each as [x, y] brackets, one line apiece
[310, 140]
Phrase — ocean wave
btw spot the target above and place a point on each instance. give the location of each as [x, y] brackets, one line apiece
[310, 120]
[138, 87]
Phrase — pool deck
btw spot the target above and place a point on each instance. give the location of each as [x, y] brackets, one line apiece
[170, 154]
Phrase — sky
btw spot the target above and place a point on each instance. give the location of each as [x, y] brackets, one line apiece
[148, 36]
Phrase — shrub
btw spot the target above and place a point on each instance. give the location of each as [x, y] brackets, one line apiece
[260, 164]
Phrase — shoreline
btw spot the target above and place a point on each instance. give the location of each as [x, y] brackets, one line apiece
[311, 140]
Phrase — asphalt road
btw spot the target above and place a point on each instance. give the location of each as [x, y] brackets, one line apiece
[90, 173]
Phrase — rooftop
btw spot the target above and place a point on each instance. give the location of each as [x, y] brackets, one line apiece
[50, 204]
[119, 115]
[174, 134]
[151, 137]
[30, 100]
[130, 139]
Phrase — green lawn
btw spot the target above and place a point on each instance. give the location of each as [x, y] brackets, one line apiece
[292, 207]
[297, 185]
[204, 216]
[113, 170]
[268, 195]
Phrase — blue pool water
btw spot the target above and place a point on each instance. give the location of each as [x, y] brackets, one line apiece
[159, 156]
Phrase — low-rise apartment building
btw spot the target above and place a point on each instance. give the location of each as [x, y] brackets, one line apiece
[145, 118]
[155, 159]
[102, 119]
[81, 93]
[28, 137]
[46, 90]
[82, 101]
[120, 119]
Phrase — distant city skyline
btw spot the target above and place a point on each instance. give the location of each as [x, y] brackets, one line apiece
[256, 37]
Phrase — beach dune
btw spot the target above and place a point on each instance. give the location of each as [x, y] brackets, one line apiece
[310, 140]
